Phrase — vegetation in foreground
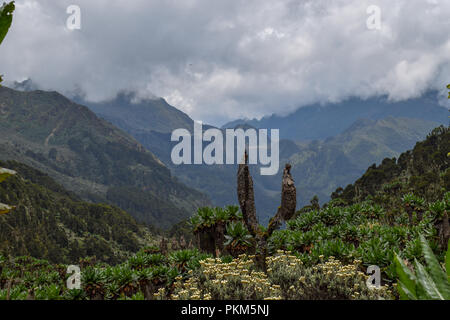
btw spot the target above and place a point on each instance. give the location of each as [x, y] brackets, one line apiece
[191, 275]
[387, 218]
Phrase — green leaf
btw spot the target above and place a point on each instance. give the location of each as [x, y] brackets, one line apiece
[437, 274]
[405, 293]
[428, 287]
[447, 261]
[5, 19]
[406, 277]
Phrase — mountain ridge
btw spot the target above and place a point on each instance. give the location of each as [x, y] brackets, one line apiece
[319, 121]
[219, 181]
[91, 156]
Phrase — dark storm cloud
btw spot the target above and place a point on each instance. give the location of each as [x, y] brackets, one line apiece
[219, 60]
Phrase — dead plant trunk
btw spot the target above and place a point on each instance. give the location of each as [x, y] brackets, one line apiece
[246, 199]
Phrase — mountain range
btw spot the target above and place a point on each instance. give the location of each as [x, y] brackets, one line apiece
[91, 157]
[118, 152]
[321, 121]
[319, 167]
[328, 146]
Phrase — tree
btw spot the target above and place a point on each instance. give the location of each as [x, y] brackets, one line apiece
[315, 203]
[247, 203]
[6, 17]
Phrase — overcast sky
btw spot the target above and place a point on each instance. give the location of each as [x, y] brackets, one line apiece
[220, 60]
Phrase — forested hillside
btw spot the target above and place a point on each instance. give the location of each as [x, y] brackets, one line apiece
[51, 223]
[424, 170]
[394, 217]
[91, 157]
[319, 166]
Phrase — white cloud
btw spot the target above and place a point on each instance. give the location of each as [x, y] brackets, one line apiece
[227, 59]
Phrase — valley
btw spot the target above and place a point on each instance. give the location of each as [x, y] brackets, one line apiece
[91, 157]
[226, 150]
[322, 162]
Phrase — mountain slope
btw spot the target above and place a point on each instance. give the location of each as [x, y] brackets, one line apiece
[319, 167]
[424, 170]
[91, 157]
[322, 166]
[323, 121]
[52, 223]
[217, 181]
[151, 114]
